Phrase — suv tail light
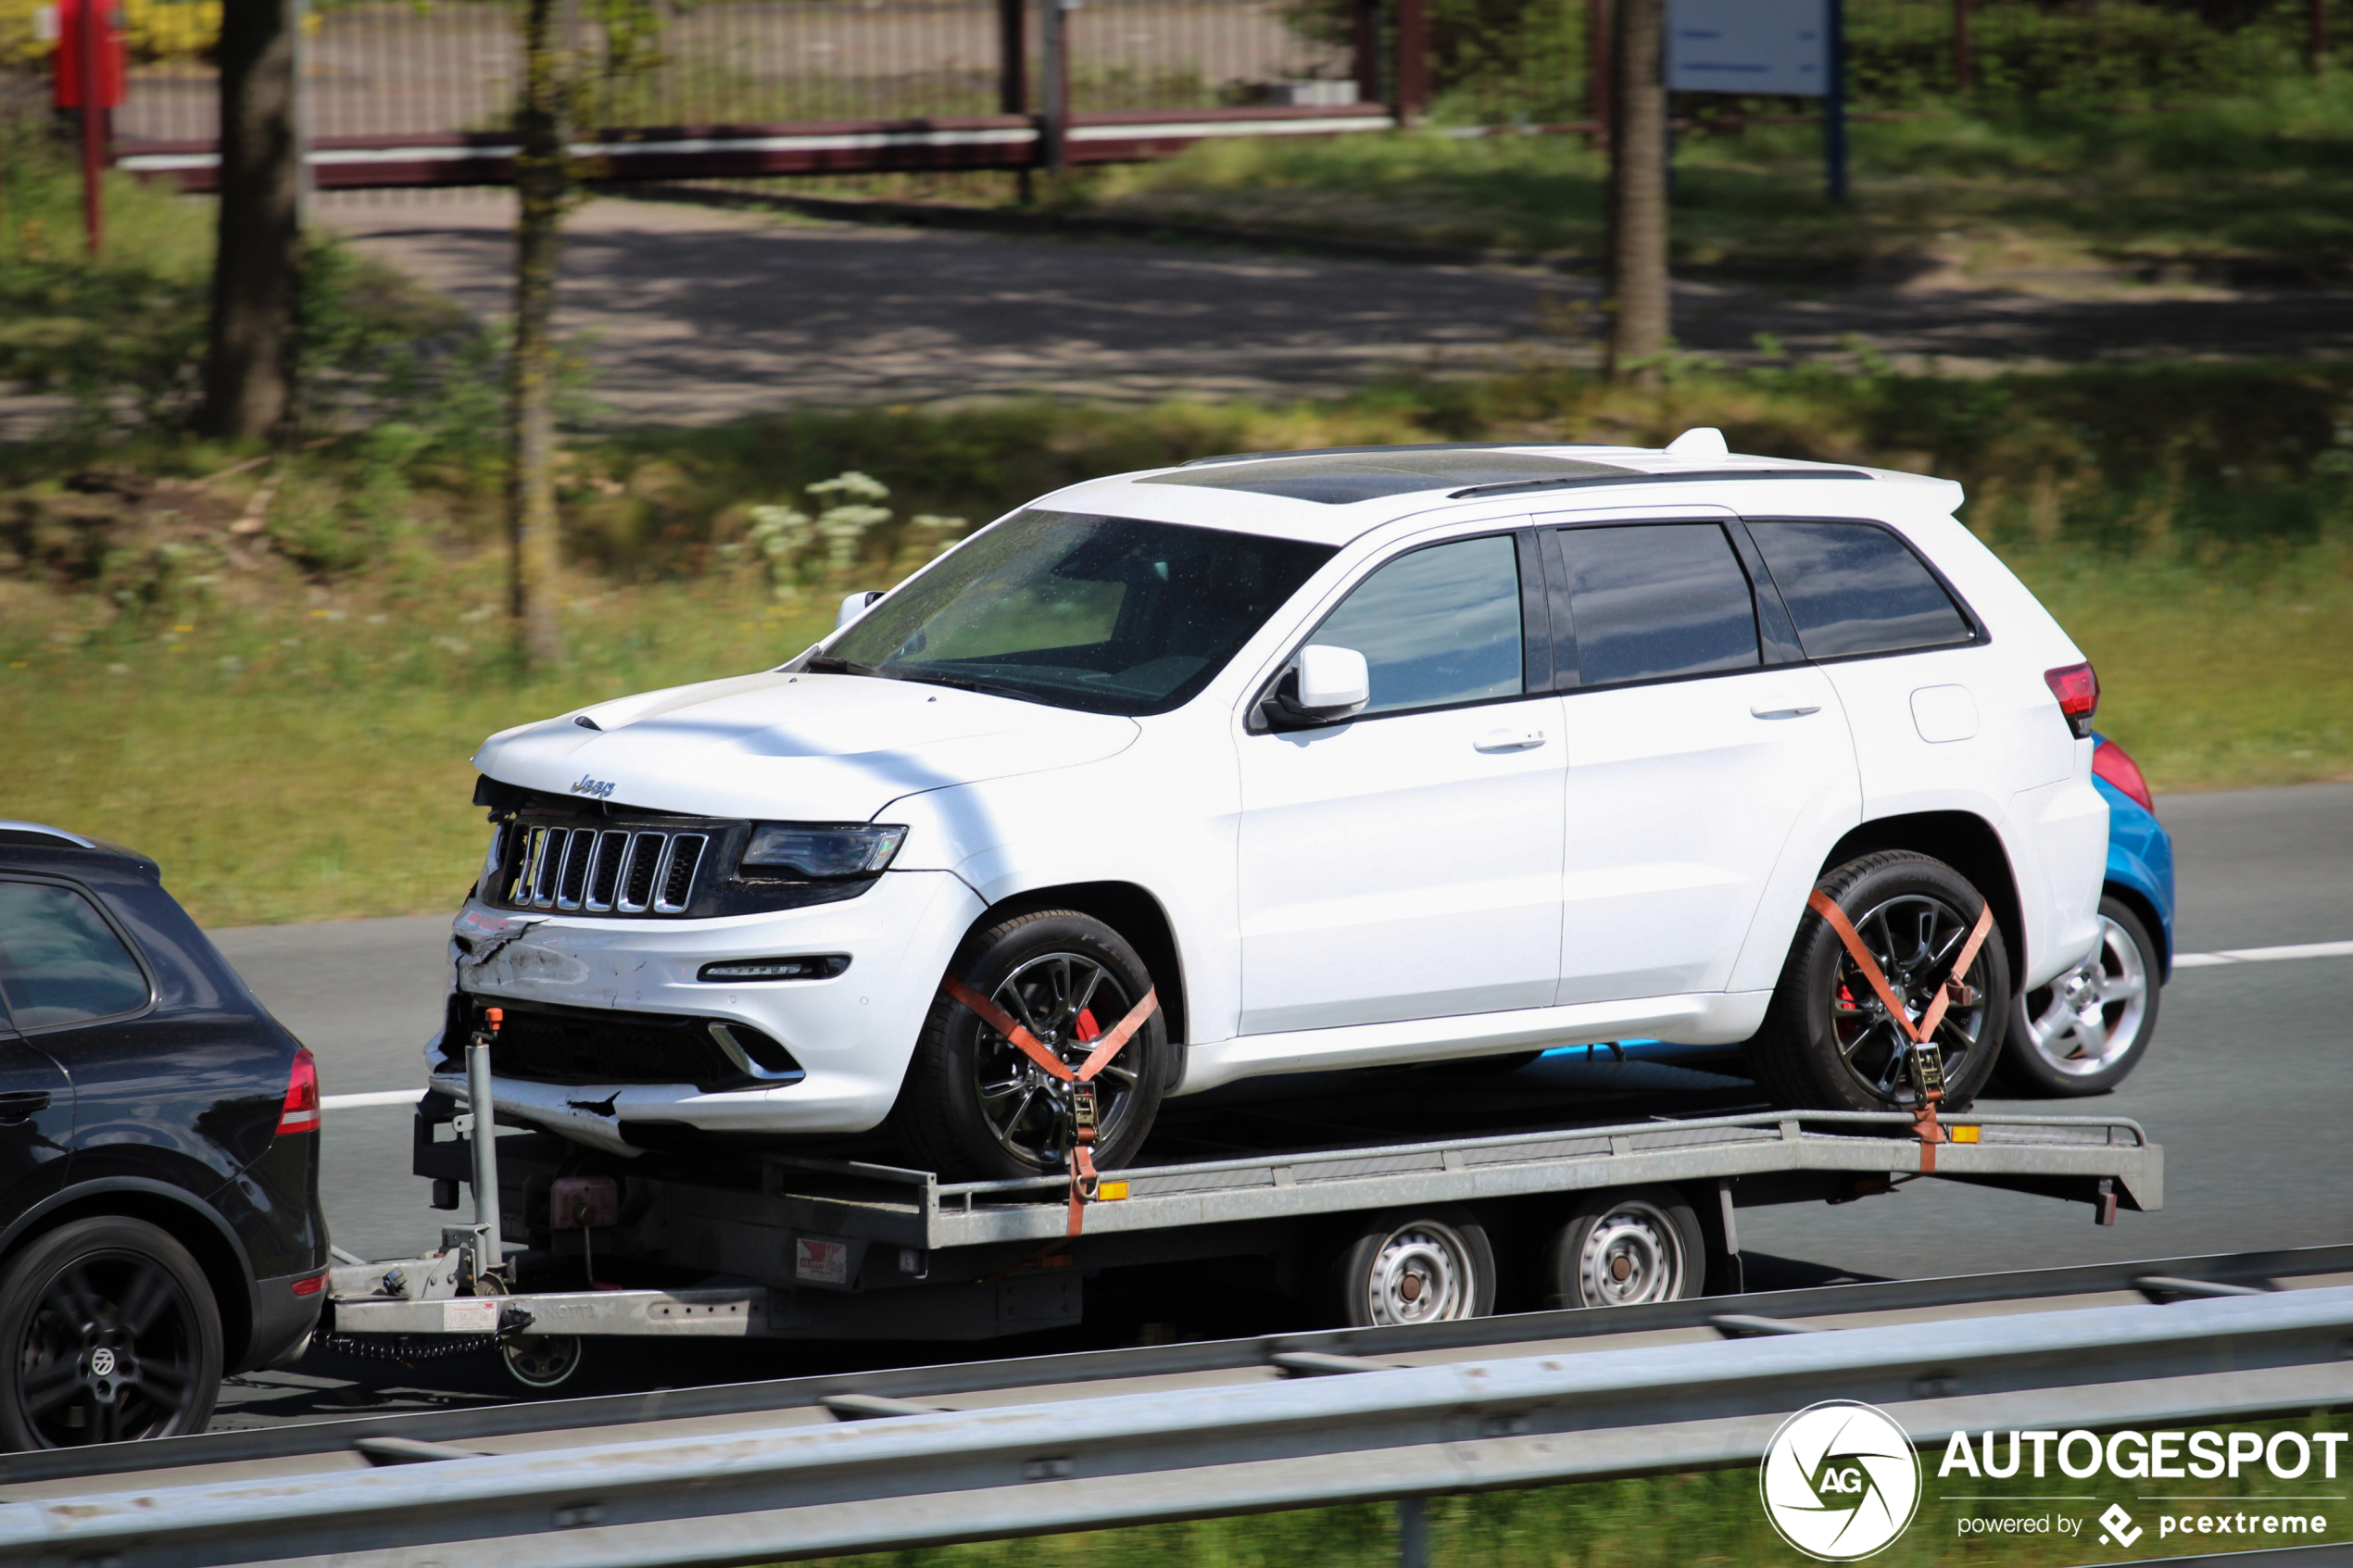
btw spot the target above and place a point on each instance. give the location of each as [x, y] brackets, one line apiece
[2077, 687]
[2111, 762]
[301, 1114]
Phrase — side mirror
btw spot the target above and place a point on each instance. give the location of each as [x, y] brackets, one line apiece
[1330, 684]
[855, 606]
[1333, 682]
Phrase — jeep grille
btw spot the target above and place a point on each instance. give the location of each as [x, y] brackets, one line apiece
[599, 871]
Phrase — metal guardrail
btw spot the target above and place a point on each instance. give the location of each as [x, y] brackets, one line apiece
[1004, 142]
[1327, 1436]
[1463, 1337]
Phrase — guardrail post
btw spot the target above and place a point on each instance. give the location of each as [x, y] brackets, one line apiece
[1597, 68]
[1413, 1534]
[1013, 57]
[1413, 60]
[1053, 125]
[1366, 42]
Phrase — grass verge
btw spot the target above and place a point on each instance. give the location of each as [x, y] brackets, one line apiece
[2261, 184]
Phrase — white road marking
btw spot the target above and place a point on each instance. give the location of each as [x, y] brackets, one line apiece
[382, 1096]
[2264, 955]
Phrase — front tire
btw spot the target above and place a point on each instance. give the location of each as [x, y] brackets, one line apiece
[1828, 1043]
[2086, 1030]
[111, 1334]
[975, 1107]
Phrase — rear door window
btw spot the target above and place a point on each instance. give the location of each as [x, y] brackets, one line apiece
[1855, 588]
[60, 963]
[1438, 627]
[1649, 601]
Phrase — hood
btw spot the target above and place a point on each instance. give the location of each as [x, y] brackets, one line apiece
[797, 747]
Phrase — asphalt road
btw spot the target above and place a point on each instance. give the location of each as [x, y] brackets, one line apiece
[2240, 1087]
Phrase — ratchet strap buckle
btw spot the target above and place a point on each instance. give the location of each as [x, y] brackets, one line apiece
[1926, 1060]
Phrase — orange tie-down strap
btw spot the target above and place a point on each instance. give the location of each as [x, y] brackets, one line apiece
[1924, 1032]
[1083, 1180]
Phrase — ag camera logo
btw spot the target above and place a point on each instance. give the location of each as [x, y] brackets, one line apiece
[1840, 1481]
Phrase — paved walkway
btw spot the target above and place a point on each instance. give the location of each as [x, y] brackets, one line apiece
[700, 314]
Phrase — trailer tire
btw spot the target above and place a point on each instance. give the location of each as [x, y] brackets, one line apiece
[1432, 1267]
[948, 1116]
[1826, 1044]
[1621, 1249]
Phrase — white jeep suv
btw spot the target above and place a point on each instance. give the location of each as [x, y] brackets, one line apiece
[1351, 757]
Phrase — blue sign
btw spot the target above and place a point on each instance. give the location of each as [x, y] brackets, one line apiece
[1779, 46]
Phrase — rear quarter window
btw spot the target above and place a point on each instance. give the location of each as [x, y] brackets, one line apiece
[1857, 588]
[60, 963]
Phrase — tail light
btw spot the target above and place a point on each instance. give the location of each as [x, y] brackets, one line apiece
[2077, 687]
[301, 1114]
[309, 1285]
[2111, 762]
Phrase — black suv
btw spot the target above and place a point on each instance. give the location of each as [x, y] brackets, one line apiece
[160, 1220]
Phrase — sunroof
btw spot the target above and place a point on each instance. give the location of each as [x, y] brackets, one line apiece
[1338, 478]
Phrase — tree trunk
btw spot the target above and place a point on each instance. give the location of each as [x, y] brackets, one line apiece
[256, 270]
[542, 179]
[1639, 316]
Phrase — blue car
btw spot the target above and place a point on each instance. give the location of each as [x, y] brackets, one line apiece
[2085, 1031]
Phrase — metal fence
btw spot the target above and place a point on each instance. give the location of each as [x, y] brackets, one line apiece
[400, 69]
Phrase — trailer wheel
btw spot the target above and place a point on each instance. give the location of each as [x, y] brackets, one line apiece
[1419, 1268]
[541, 1361]
[975, 1108]
[1828, 1043]
[1621, 1249]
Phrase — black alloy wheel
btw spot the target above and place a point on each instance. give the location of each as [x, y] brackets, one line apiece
[1829, 1040]
[976, 1107]
[113, 1335]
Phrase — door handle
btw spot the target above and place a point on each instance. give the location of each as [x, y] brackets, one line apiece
[1510, 740]
[1787, 711]
[22, 1105]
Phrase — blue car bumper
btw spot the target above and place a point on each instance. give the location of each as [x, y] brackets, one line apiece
[2140, 867]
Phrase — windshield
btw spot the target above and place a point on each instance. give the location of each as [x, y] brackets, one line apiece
[1108, 614]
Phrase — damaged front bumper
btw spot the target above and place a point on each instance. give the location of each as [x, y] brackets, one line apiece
[816, 1055]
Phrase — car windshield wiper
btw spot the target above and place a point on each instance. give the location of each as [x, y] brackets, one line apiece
[962, 682]
[826, 664]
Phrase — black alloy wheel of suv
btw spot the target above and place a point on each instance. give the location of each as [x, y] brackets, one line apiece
[160, 1219]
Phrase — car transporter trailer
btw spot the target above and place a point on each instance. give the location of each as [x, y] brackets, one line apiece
[755, 1244]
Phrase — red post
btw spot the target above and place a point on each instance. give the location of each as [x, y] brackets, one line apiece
[88, 78]
[1413, 60]
[1960, 46]
[94, 136]
[2319, 36]
[1597, 68]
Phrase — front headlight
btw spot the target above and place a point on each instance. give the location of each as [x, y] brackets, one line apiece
[821, 849]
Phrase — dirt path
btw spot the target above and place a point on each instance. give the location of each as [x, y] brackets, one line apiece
[701, 314]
